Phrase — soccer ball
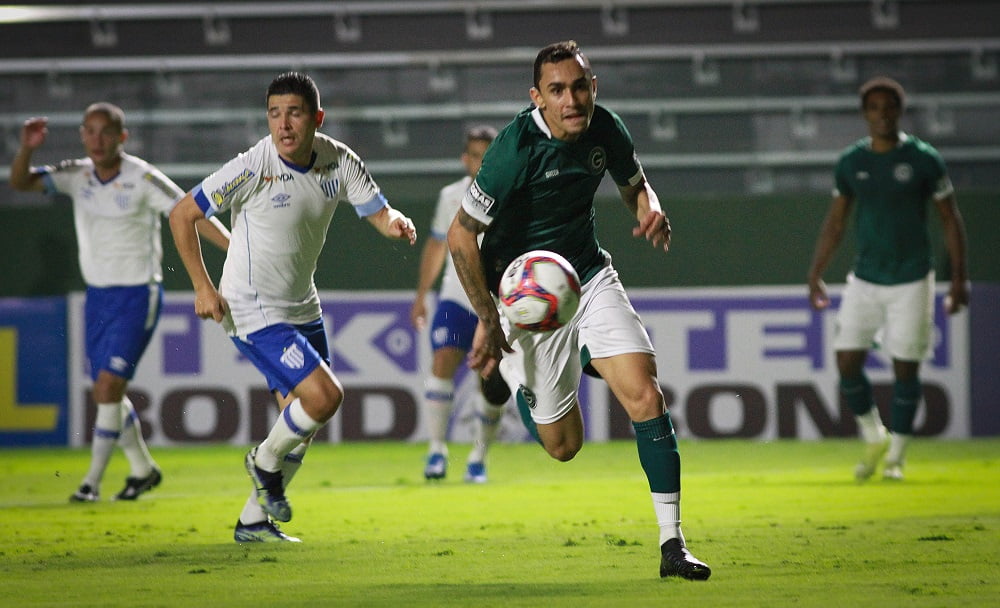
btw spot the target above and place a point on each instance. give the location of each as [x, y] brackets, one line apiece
[539, 291]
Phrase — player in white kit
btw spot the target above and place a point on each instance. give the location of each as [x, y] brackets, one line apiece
[281, 194]
[117, 203]
[452, 329]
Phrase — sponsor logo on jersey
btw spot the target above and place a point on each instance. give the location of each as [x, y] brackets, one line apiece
[281, 200]
[551, 173]
[903, 172]
[330, 187]
[281, 177]
[478, 199]
[861, 175]
[231, 186]
[293, 358]
[598, 159]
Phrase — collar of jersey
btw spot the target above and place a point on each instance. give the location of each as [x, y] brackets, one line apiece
[300, 169]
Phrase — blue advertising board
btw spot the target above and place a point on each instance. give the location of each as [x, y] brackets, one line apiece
[33, 371]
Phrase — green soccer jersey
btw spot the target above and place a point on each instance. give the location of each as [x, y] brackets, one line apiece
[891, 192]
[537, 192]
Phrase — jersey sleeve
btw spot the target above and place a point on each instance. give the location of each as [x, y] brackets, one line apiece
[499, 176]
[623, 162]
[58, 178]
[362, 192]
[162, 192]
[841, 183]
[231, 183]
[943, 187]
[443, 215]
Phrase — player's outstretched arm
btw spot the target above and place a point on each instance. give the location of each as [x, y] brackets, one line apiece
[393, 224]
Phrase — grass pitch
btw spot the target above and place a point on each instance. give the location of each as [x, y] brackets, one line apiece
[781, 524]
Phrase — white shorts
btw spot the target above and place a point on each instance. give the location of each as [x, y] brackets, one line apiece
[897, 318]
[549, 364]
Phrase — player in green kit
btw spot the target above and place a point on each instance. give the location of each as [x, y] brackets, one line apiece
[888, 177]
[535, 190]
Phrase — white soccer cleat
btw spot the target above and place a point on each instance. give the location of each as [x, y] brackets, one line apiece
[893, 471]
[873, 453]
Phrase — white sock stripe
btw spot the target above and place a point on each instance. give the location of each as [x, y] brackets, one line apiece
[664, 497]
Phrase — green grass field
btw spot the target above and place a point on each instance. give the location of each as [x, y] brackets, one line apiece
[781, 524]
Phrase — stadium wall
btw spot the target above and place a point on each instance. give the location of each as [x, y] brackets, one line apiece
[717, 241]
[746, 362]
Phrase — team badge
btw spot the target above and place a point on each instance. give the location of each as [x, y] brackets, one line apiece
[598, 160]
[903, 172]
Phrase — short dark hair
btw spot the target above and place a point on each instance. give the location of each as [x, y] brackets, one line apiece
[116, 116]
[882, 83]
[479, 133]
[295, 83]
[556, 52]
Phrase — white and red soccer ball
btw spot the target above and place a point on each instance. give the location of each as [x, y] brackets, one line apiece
[539, 291]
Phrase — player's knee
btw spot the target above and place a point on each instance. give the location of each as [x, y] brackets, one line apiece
[564, 452]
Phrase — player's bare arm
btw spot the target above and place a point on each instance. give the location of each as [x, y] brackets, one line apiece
[489, 342]
[654, 225]
[953, 227]
[33, 135]
[830, 235]
[393, 224]
[208, 303]
[432, 260]
[213, 231]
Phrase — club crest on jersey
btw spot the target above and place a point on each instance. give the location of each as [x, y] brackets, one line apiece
[598, 160]
[903, 172]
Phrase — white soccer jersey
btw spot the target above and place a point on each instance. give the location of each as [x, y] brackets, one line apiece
[280, 216]
[118, 221]
[448, 204]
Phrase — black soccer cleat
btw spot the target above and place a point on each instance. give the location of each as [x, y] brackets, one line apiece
[85, 494]
[676, 560]
[134, 486]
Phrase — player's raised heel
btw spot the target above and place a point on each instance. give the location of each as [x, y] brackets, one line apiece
[676, 560]
[270, 489]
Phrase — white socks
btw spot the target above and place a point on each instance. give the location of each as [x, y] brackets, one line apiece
[897, 447]
[871, 427]
[439, 397]
[107, 428]
[292, 427]
[488, 416]
[131, 441]
[668, 515]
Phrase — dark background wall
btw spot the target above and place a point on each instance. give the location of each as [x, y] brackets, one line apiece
[718, 241]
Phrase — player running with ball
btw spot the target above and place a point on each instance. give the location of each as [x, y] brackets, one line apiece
[535, 190]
